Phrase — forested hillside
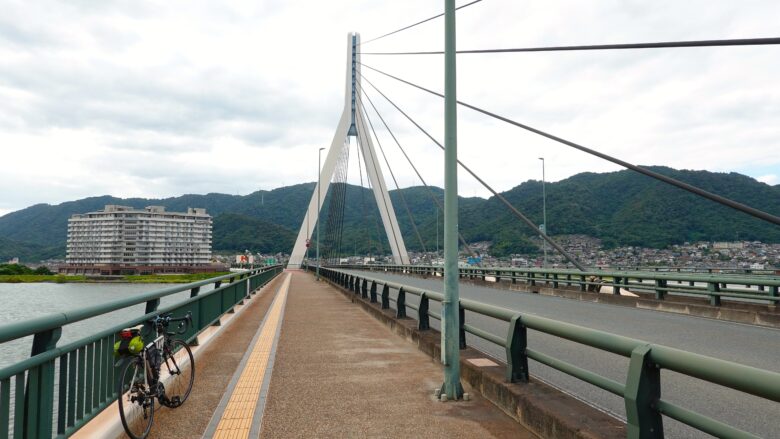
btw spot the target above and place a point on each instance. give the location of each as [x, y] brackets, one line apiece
[621, 208]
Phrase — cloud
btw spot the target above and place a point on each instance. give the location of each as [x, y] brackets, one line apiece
[160, 99]
[770, 179]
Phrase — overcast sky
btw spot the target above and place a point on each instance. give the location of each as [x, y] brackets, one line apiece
[157, 99]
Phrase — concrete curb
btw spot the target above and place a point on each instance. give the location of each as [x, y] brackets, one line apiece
[544, 410]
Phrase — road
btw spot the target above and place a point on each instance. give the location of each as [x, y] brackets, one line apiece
[745, 344]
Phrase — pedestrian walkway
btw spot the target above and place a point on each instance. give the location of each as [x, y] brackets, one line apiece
[341, 373]
[320, 366]
[241, 414]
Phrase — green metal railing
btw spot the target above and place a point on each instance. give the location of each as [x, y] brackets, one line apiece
[712, 286]
[58, 389]
[642, 390]
[705, 269]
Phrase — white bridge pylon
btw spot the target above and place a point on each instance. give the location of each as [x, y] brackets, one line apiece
[352, 124]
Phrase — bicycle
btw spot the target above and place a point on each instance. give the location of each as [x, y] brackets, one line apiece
[143, 377]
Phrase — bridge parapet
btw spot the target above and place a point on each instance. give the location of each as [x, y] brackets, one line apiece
[712, 286]
[641, 390]
[84, 369]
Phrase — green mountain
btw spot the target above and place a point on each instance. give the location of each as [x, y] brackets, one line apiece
[236, 232]
[625, 208]
[28, 252]
[621, 208]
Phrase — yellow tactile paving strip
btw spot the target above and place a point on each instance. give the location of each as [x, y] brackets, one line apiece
[237, 418]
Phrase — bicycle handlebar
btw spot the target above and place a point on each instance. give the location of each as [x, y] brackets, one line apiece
[164, 320]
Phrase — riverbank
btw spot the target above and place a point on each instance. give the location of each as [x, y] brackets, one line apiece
[134, 279]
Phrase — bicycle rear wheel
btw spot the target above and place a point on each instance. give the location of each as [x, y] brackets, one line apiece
[179, 364]
[136, 401]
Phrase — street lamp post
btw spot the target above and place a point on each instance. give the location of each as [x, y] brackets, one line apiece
[319, 206]
[544, 212]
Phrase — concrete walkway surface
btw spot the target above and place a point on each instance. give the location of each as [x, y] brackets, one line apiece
[340, 373]
[335, 372]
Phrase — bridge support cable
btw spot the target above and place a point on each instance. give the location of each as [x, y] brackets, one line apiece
[430, 192]
[656, 45]
[335, 217]
[392, 175]
[363, 203]
[417, 24]
[669, 180]
[500, 197]
[366, 141]
[328, 220]
[336, 208]
[343, 201]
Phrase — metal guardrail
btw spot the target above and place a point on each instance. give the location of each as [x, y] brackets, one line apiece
[713, 286]
[642, 390]
[680, 269]
[58, 389]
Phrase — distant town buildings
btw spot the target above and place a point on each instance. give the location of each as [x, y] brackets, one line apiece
[746, 255]
[741, 255]
[125, 240]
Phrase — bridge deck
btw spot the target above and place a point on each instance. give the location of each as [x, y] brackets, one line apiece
[337, 372]
[746, 344]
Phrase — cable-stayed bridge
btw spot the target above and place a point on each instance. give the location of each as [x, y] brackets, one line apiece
[570, 351]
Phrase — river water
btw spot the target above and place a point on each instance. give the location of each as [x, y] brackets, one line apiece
[27, 300]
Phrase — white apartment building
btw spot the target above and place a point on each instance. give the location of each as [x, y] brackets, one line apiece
[149, 239]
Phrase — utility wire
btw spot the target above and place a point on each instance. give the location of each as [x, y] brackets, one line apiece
[392, 174]
[411, 163]
[682, 185]
[658, 45]
[418, 23]
[509, 205]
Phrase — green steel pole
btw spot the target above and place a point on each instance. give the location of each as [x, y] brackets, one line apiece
[319, 180]
[544, 213]
[450, 326]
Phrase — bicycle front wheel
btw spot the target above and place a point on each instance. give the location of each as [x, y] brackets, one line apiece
[136, 401]
[179, 365]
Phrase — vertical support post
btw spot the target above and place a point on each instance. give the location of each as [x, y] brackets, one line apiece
[713, 288]
[583, 285]
[516, 343]
[400, 304]
[385, 297]
[319, 207]
[373, 292]
[423, 320]
[450, 325]
[364, 289]
[39, 395]
[194, 292]
[151, 305]
[660, 289]
[461, 329]
[643, 389]
[616, 285]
